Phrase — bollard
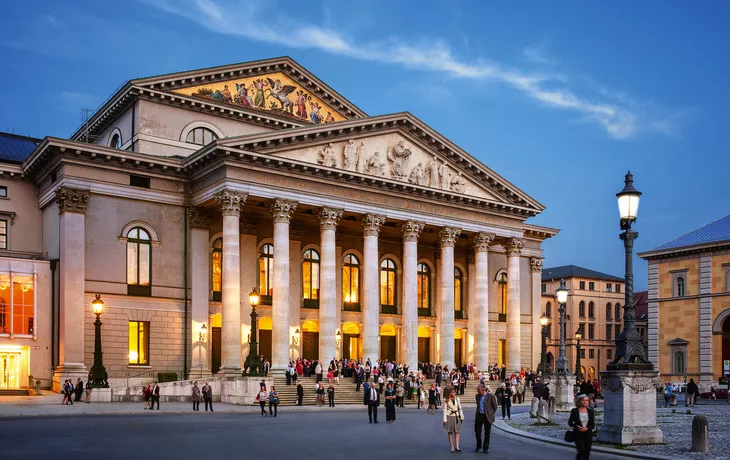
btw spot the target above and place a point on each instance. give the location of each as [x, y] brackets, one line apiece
[542, 413]
[700, 434]
[37, 387]
[551, 405]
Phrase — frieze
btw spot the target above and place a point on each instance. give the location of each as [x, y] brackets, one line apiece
[72, 200]
[635, 385]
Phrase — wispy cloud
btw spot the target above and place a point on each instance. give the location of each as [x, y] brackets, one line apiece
[538, 53]
[246, 19]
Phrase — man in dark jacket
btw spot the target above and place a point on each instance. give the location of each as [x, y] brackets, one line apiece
[208, 396]
[485, 410]
[300, 393]
[692, 392]
[372, 400]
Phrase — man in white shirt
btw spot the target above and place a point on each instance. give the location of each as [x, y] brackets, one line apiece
[372, 400]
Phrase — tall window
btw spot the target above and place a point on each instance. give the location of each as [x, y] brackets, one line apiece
[679, 286]
[591, 310]
[582, 309]
[617, 316]
[609, 312]
[139, 343]
[351, 282]
[609, 329]
[458, 294]
[582, 285]
[608, 287]
[591, 331]
[424, 289]
[618, 288]
[679, 365]
[116, 141]
[139, 262]
[201, 136]
[19, 289]
[3, 234]
[216, 267]
[549, 310]
[502, 284]
[617, 330]
[591, 286]
[387, 286]
[543, 288]
[310, 275]
[266, 269]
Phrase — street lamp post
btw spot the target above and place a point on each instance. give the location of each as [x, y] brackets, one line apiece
[578, 367]
[561, 365]
[254, 360]
[98, 375]
[543, 369]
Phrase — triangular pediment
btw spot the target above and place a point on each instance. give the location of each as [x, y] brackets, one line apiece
[398, 148]
[678, 341]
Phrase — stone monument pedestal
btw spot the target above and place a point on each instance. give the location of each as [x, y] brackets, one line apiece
[101, 395]
[630, 407]
[561, 386]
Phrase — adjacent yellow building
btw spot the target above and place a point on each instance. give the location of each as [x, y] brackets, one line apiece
[689, 304]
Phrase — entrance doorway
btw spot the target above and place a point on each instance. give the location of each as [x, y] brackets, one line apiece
[215, 358]
[10, 369]
[424, 349]
[265, 343]
[502, 352]
[310, 345]
[351, 348]
[387, 347]
[457, 352]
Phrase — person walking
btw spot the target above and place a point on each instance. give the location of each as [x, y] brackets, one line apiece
[372, 400]
[668, 392]
[692, 391]
[432, 399]
[300, 393]
[453, 419]
[505, 394]
[273, 401]
[331, 395]
[390, 403]
[261, 398]
[196, 397]
[64, 392]
[146, 394]
[582, 420]
[484, 418]
[208, 396]
[88, 391]
[155, 396]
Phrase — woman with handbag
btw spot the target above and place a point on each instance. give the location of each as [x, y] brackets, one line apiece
[273, 400]
[582, 420]
[261, 398]
[453, 418]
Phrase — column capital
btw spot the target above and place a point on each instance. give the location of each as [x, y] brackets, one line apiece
[282, 210]
[481, 241]
[230, 202]
[371, 224]
[514, 247]
[536, 264]
[448, 236]
[198, 218]
[328, 217]
[411, 229]
[72, 200]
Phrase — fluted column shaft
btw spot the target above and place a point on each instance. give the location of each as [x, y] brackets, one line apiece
[410, 230]
[281, 211]
[371, 225]
[328, 218]
[480, 243]
[231, 203]
[513, 249]
[447, 236]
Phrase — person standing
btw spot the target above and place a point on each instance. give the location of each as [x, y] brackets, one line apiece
[692, 390]
[520, 391]
[319, 389]
[372, 400]
[453, 419]
[208, 396]
[88, 391]
[432, 399]
[331, 395]
[582, 420]
[273, 401]
[300, 393]
[155, 396]
[79, 390]
[288, 373]
[668, 392]
[505, 394]
[262, 397]
[486, 408]
[318, 371]
[399, 396]
[390, 403]
[196, 397]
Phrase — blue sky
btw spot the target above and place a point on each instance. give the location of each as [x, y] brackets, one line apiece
[559, 98]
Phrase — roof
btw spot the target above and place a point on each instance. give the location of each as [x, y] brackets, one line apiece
[15, 148]
[641, 303]
[714, 232]
[574, 271]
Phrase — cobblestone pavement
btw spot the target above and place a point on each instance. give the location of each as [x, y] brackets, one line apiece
[675, 423]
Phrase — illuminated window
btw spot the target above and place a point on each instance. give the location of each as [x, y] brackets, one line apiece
[139, 262]
[139, 342]
[201, 136]
[16, 291]
[3, 234]
[351, 281]
[458, 293]
[502, 283]
[310, 276]
[266, 269]
[424, 289]
[387, 286]
[216, 267]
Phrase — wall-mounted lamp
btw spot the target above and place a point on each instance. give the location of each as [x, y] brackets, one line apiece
[203, 335]
[338, 338]
[295, 337]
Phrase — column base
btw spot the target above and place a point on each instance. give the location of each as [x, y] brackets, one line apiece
[630, 407]
[200, 374]
[71, 371]
[561, 386]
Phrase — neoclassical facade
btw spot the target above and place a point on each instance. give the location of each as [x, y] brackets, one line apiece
[366, 236]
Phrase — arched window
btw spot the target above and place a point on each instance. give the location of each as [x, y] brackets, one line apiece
[424, 290]
[139, 262]
[591, 310]
[458, 294]
[201, 136]
[116, 141]
[216, 269]
[582, 309]
[351, 283]
[549, 310]
[266, 270]
[388, 287]
[617, 316]
[609, 312]
[679, 286]
[310, 276]
[502, 285]
[679, 363]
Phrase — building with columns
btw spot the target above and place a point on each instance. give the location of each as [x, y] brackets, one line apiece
[366, 236]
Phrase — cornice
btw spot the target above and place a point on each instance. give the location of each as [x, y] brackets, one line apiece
[536, 232]
[110, 109]
[687, 252]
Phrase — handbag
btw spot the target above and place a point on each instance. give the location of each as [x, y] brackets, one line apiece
[569, 436]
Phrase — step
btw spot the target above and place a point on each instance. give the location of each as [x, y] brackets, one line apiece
[14, 392]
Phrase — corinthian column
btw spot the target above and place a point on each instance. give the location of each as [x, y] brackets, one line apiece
[480, 242]
[371, 225]
[328, 218]
[200, 290]
[513, 249]
[410, 230]
[280, 310]
[72, 204]
[231, 203]
[447, 238]
[536, 282]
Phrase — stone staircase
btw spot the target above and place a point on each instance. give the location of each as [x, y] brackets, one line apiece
[14, 392]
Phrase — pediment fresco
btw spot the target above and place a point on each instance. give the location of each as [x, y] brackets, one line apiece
[394, 157]
[275, 92]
